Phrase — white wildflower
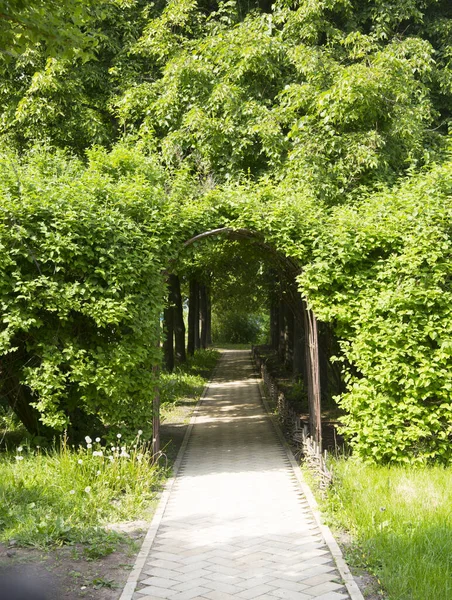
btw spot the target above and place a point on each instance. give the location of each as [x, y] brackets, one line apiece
[72, 492]
[80, 461]
[125, 454]
[19, 449]
[118, 435]
[97, 472]
[111, 458]
[88, 489]
[89, 445]
[140, 432]
[98, 439]
[19, 457]
[98, 453]
[88, 440]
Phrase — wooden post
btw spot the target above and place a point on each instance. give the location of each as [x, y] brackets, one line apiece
[156, 417]
[193, 318]
[178, 316]
[313, 376]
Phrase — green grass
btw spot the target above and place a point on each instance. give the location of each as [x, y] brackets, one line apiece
[202, 362]
[188, 380]
[401, 520]
[237, 346]
[66, 494]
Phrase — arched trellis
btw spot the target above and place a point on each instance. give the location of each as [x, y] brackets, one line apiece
[301, 312]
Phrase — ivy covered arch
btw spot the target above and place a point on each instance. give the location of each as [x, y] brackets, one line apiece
[304, 328]
[86, 249]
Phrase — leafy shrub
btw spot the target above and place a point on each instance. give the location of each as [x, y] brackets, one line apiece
[382, 273]
[80, 286]
[233, 327]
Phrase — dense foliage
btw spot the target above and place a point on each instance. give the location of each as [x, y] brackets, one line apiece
[323, 125]
[80, 285]
[234, 327]
[382, 272]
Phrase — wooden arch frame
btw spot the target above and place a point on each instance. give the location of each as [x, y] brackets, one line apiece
[307, 316]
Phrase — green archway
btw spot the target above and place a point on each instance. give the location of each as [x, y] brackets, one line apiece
[303, 317]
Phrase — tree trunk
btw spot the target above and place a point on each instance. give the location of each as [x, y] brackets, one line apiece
[193, 318]
[209, 319]
[324, 357]
[203, 314]
[299, 358]
[198, 320]
[19, 401]
[274, 325]
[282, 331]
[290, 334]
[18, 395]
[168, 343]
[178, 319]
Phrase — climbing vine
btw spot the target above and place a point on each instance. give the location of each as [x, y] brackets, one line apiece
[381, 272]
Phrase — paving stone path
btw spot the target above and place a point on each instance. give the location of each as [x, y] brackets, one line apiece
[236, 524]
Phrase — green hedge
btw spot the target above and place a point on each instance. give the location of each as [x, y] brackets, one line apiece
[382, 272]
[80, 285]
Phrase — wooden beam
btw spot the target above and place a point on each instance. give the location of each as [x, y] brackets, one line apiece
[156, 418]
[313, 376]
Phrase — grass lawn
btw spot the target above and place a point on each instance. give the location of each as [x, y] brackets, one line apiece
[400, 519]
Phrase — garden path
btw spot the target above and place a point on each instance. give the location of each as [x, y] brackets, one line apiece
[235, 524]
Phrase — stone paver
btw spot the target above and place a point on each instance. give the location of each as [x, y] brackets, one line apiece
[236, 524]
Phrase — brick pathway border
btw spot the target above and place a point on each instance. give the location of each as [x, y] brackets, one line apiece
[143, 554]
[344, 571]
[333, 546]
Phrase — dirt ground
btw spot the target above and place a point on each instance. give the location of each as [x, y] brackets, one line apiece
[65, 572]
